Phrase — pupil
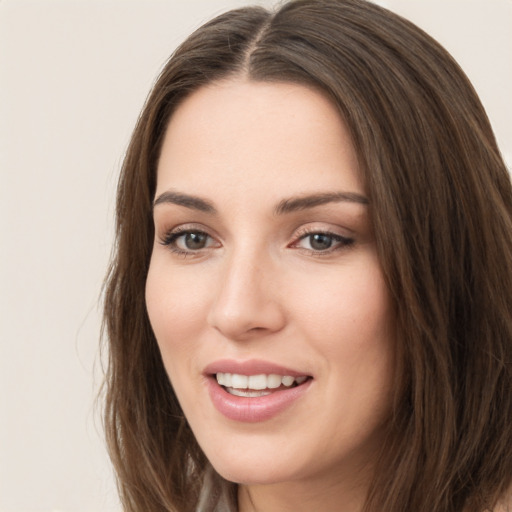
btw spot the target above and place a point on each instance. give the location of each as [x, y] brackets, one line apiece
[320, 241]
[195, 240]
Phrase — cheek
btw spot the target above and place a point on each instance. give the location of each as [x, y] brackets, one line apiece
[349, 319]
[175, 305]
[350, 305]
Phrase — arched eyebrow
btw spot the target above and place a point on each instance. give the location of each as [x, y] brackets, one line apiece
[188, 201]
[284, 206]
[294, 204]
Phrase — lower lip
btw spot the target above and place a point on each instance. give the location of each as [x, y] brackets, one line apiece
[252, 410]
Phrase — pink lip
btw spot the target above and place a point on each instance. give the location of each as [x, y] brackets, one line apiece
[256, 409]
[250, 367]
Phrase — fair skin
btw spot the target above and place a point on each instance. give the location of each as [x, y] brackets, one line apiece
[245, 269]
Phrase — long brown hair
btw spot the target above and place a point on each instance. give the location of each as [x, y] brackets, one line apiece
[441, 204]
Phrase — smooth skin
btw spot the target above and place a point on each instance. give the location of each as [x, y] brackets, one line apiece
[243, 268]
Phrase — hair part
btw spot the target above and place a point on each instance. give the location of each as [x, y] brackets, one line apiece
[441, 206]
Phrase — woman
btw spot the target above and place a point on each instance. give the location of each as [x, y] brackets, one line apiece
[310, 303]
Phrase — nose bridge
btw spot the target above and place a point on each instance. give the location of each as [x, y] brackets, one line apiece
[246, 300]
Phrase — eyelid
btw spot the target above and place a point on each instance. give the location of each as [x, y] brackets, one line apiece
[318, 227]
[168, 239]
[166, 230]
[302, 233]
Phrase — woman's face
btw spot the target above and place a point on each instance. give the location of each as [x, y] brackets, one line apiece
[264, 291]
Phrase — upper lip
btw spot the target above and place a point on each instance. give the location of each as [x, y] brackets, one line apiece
[250, 367]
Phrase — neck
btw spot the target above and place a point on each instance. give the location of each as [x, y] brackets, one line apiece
[326, 494]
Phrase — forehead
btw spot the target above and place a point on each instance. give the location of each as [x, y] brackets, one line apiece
[234, 135]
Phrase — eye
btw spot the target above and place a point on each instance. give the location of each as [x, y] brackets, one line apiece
[188, 241]
[322, 242]
[192, 241]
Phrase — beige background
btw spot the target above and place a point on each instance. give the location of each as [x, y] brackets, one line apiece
[73, 77]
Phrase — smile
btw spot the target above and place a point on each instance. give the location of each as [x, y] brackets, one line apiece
[254, 391]
[257, 385]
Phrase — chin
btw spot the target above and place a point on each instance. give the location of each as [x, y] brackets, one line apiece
[256, 475]
[258, 465]
[244, 464]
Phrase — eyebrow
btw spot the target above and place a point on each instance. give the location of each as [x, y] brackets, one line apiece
[192, 202]
[289, 205]
[310, 201]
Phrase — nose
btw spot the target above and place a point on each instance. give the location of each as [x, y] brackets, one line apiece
[246, 302]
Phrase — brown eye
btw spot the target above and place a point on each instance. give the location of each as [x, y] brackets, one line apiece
[188, 241]
[323, 242]
[195, 240]
[320, 241]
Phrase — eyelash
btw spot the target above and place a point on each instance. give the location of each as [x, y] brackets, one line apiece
[339, 242]
[169, 240]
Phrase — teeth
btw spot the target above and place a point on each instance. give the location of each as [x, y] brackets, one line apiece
[287, 380]
[247, 392]
[257, 382]
[273, 381]
[239, 381]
